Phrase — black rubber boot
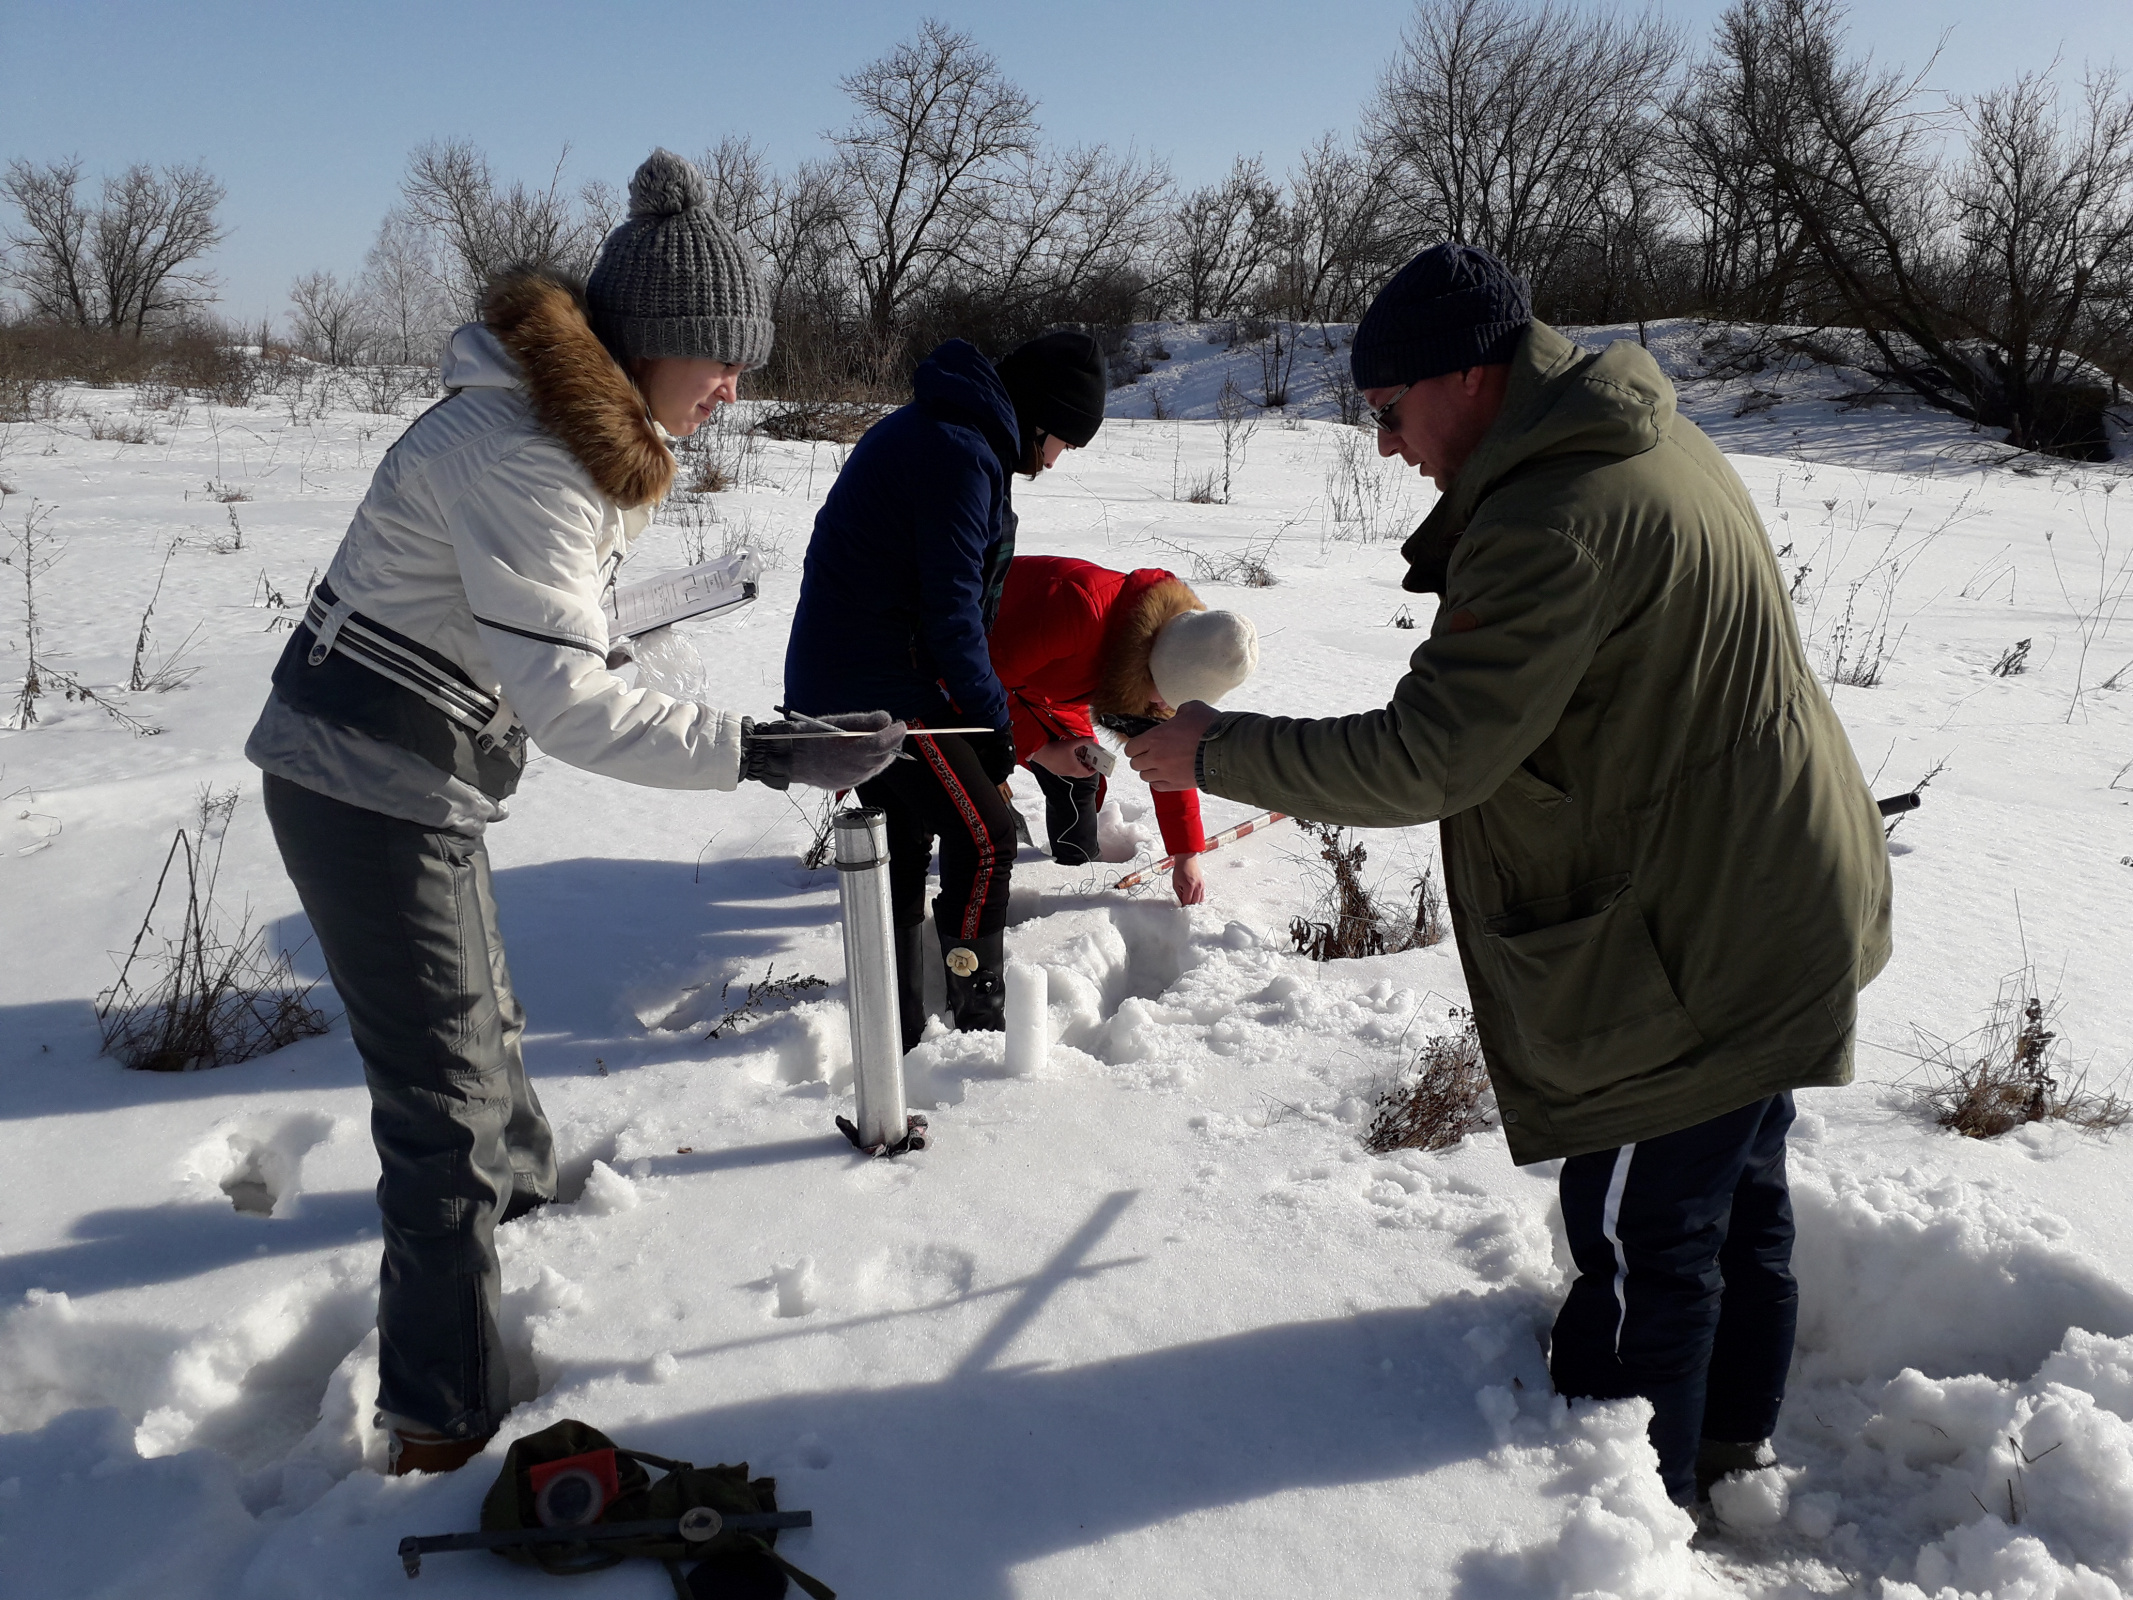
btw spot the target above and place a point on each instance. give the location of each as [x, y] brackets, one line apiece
[911, 982]
[1721, 1458]
[977, 982]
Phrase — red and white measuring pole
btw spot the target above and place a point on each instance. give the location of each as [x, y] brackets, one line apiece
[1265, 819]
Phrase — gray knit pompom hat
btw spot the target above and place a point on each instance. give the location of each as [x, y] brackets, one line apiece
[673, 280]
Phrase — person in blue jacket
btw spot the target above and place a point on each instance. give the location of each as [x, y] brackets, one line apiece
[901, 586]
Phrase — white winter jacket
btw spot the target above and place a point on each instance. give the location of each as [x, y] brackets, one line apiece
[489, 533]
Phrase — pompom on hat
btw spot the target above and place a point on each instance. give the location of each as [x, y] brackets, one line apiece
[672, 280]
[1202, 655]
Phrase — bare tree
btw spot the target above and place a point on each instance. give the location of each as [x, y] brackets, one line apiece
[329, 319]
[1070, 235]
[746, 191]
[134, 259]
[150, 234]
[403, 289]
[1223, 240]
[2044, 211]
[483, 227]
[1337, 246]
[51, 262]
[936, 127]
[1515, 127]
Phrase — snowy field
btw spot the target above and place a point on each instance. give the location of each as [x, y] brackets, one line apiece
[1150, 1321]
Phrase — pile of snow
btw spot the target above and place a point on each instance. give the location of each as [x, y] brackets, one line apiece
[1147, 1316]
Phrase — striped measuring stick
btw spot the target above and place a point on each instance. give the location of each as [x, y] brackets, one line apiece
[1265, 819]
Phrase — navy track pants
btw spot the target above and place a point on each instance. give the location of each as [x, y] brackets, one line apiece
[1684, 1293]
[945, 794]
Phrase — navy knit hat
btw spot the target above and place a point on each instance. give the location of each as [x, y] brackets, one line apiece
[1450, 308]
[1058, 382]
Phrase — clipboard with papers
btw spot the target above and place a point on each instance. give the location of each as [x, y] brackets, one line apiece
[636, 609]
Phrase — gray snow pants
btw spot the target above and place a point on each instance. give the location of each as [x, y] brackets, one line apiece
[407, 923]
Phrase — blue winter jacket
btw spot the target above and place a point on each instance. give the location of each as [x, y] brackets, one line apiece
[903, 572]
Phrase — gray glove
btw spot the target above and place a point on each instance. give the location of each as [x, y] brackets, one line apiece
[769, 753]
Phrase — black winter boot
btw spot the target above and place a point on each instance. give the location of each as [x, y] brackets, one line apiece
[1721, 1458]
[977, 982]
[911, 982]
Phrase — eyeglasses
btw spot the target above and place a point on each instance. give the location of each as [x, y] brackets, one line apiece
[1383, 415]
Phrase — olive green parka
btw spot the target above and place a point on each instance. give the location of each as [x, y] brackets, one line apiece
[1666, 875]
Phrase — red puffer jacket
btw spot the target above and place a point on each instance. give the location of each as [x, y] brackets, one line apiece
[1073, 639]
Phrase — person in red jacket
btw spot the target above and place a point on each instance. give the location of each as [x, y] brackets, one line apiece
[1076, 641]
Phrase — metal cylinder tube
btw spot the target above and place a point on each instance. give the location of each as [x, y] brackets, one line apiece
[870, 975]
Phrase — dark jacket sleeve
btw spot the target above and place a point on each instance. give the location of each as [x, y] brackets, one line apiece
[955, 531]
[1523, 612]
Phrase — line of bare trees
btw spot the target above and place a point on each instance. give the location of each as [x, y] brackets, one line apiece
[1977, 252]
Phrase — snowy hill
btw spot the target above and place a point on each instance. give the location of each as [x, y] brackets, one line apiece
[1152, 1321]
[1775, 403]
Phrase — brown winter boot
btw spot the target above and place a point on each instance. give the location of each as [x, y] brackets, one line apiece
[411, 1451]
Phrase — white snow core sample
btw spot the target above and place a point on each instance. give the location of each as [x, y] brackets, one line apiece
[1027, 1019]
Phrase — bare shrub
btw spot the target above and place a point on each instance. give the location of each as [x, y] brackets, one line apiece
[383, 389]
[2014, 660]
[1252, 566]
[2013, 1071]
[1353, 922]
[33, 552]
[720, 454]
[824, 823]
[1442, 1096]
[1277, 366]
[822, 421]
[122, 430]
[1367, 502]
[205, 998]
[754, 1004]
[165, 672]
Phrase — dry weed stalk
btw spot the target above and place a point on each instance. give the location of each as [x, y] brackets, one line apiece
[1354, 923]
[760, 995]
[2012, 1071]
[212, 1000]
[1441, 1097]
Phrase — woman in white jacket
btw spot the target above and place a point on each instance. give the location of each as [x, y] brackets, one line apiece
[460, 618]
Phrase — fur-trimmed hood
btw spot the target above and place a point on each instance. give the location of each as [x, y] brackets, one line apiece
[1125, 686]
[578, 391]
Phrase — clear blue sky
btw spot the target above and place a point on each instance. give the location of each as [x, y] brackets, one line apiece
[307, 111]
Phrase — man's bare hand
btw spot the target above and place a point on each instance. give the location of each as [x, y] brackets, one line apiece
[1165, 755]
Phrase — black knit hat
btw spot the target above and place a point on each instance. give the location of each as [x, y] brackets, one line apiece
[1058, 382]
[1450, 308]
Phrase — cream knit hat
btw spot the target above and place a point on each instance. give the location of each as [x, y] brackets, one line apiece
[1202, 655]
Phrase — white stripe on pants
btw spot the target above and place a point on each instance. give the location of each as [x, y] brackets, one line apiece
[1611, 1230]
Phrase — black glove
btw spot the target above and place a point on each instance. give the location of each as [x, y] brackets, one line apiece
[769, 753]
[996, 754]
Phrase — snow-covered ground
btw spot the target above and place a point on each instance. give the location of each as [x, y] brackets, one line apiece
[1151, 1321]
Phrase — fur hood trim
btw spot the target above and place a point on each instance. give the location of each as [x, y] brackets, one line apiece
[1126, 686]
[579, 392]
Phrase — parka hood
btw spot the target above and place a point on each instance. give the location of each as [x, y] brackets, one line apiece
[1563, 400]
[958, 379]
[534, 332]
[475, 359]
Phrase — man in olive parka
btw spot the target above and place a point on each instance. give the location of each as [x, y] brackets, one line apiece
[1666, 874]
